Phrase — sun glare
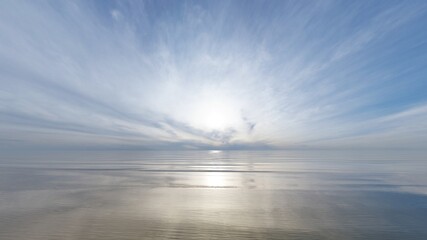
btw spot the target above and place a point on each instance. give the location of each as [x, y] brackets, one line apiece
[216, 114]
[215, 179]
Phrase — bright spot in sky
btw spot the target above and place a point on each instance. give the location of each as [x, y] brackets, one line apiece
[216, 113]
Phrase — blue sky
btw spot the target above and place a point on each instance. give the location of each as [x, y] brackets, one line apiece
[213, 74]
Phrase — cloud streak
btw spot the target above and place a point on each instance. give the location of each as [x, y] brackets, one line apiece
[226, 75]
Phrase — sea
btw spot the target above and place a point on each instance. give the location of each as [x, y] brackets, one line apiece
[213, 194]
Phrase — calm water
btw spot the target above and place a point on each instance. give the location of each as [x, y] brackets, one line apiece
[213, 195]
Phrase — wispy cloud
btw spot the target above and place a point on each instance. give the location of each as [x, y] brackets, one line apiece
[219, 74]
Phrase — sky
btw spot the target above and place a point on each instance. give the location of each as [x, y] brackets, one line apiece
[213, 74]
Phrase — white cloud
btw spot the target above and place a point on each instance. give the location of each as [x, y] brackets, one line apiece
[116, 14]
[190, 78]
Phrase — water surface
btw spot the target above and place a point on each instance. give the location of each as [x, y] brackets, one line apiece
[213, 195]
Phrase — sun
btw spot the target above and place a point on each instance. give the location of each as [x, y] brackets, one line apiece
[215, 114]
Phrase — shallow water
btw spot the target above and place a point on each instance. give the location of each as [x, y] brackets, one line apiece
[213, 195]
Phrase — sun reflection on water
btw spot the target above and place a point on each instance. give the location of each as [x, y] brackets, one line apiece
[215, 179]
[215, 151]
